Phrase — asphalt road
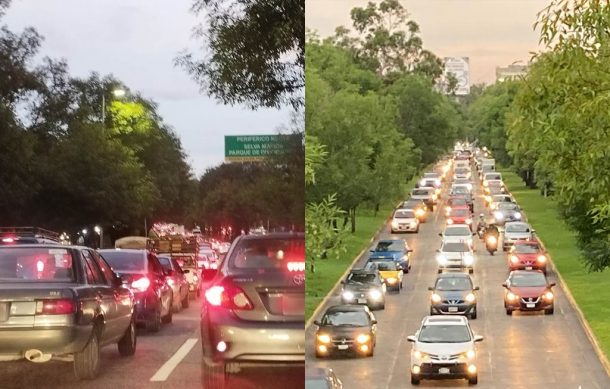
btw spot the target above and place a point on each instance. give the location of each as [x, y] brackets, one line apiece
[153, 352]
[527, 350]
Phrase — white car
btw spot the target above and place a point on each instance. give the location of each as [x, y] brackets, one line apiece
[462, 173]
[444, 347]
[461, 188]
[404, 220]
[496, 199]
[515, 231]
[456, 233]
[455, 256]
[427, 194]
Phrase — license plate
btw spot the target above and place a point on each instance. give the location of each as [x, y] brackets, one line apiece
[342, 347]
[528, 268]
[361, 301]
[293, 304]
[453, 309]
[530, 305]
[444, 370]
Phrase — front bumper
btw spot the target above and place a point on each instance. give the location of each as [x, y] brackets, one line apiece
[443, 370]
[338, 348]
[535, 305]
[50, 340]
[452, 309]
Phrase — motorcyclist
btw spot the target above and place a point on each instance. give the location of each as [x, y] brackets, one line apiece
[481, 224]
[492, 230]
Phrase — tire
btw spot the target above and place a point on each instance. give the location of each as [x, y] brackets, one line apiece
[87, 362]
[473, 380]
[185, 301]
[170, 313]
[214, 377]
[127, 344]
[154, 325]
[414, 379]
[509, 312]
[549, 311]
[473, 314]
[381, 306]
[398, 288]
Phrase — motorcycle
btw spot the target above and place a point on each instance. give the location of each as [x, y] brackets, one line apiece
[491, 244]
[481, 231]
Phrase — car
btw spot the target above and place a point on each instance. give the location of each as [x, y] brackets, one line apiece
[496, 199]
[491, 176]
[321, 378]
[462, 173]
[396, 249]
[390, 271]
[346, 329]
[418, 206]
[496, 185]
[142, 272]
[364, 286]
[62, 302]
[192, 271]
[427, 195]
[177, 281]
[223, 247]
[252, 313]
[432, 182]
[515, 231]
[460, 215]
[463, 181]
[457, 233]
[507, 212]
[460, 189]
[453, 294]
[404, 220]
[455, 256]
[207, 258]
[527, 255]
[491, 191]
[456, 202]
[444, 348]
[10, 236]
[528, 290]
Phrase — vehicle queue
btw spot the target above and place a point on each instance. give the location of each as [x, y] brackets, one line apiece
[444, 347]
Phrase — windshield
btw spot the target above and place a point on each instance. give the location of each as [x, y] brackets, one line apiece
[121, 260]
[517, 228]
[461, 170]
[527, 248]
[444, 333]
[268, 253]
[528, 279]
[390, 246]
[356, 319]
[453, 283]
[36, 265]
[404, 214]
[364, 278]
[385, 265]
[455, 247]
[421, 192]
[457, 231]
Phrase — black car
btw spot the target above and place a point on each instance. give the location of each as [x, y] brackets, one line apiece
[59, 301]
[141, 271]
[453, 294]
[346, 329]
[322, 378]
[364, 286]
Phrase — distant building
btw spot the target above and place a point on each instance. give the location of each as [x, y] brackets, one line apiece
[510, 72]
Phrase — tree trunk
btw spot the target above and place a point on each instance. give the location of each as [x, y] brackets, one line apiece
[376, 209]
[353, 217]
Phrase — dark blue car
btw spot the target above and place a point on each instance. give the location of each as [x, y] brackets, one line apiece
[397, 249]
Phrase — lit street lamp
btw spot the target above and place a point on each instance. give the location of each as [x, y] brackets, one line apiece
[118, 93]
[100, 232]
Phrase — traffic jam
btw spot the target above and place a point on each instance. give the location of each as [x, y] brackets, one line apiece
[463, 217]
[64, 302]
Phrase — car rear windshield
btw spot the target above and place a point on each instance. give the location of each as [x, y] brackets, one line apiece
[459, 212]
[454, 283]
[390, 246]
[19, 264]
[528, 279]
[517, 228]
[384, 265]
[458, 201]
[459, 189]
[458, 247]
[457, 231]
[268, 253]
[526, 248]
[121, 260]
[166, 263]
[351, 318]
[421, 192]
[440, 333]
[404, 214]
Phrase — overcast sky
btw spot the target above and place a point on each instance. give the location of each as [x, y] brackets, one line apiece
[137, 41]
[490, 32]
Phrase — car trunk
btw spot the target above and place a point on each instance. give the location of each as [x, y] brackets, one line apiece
[18, 301]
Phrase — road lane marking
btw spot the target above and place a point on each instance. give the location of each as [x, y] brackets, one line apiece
[170, 365]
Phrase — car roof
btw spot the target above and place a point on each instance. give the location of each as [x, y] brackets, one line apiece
[453, 275]
[124, 251]
[44, 245]
[456, 226]
[445, 320]
[274, 235]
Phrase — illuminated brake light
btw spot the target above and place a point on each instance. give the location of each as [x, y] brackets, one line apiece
[55, 307]
[40, 266]
[296, 266]
[141, 284]
[8, 240]
[228, 296]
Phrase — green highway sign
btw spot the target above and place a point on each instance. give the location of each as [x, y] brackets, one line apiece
[253, 148]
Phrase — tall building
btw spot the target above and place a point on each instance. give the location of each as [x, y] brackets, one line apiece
[510, 72]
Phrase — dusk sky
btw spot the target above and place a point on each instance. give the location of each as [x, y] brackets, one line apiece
[490, 32]
[137, 41]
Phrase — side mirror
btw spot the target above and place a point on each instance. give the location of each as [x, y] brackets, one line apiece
[552, 284]
[411, 338]
[504, 285]
[440, 234]
[373, 321]
[533, 231]
[474, 233]
[438, 250]
[409, 250]
[431, 288]
[186, 271]
[342, 282]
[317, 322]
[476, 288]
[208, 274]
[478, 338]
[117, 280]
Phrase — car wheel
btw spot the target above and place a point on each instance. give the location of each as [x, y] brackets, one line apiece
[127, 344]
[154, 325]
[549, 311]
[185, 301]
[417, 229]
[473, 314]
[414, 380]
[170, 313]
[87, 362]
[473, 380]
[509, 312]
[432, 312]
[214, 376]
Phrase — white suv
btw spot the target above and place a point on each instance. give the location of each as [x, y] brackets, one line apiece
[444, 348]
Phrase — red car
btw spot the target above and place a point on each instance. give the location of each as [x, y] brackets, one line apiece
[460, 215]
[527, 255]
[528, 290]
[455, 202]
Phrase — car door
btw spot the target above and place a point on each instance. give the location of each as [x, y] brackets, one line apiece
[104, 295]
[157, 275]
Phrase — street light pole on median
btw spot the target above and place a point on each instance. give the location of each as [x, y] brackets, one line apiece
[116, 93]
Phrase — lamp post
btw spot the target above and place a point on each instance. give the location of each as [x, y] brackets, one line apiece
[118, 93]
[100, 232]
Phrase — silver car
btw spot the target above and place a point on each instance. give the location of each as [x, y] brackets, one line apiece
[253, 309]
[515, 231]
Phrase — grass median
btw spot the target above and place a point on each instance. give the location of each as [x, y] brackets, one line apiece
[590, 290]
[328, 271]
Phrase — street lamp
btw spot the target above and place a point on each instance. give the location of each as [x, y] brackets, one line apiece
[118, 93]
[100, 232]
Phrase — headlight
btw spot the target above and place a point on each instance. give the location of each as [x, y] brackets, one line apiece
[418, 354]
[413, 223]
[422, 183]
[420, 212]
[436, 298]
[488, 199]
[485, 183]
[511, 296]
[449, 221]
[441, 259]
[492, 239]
[499, 215]
[469, 186]
[493, 205]
[363, 338]
[517, 215]
[548, 295]
[438, 182]
[391, 280]
[468, 259]
[323, 338]
[514, 259]
[375, 294]
[348, 295]
[394, 224]
[468, 221]
[434, 197]
[470, 354]
[195, 278]
[447, 209]
[541, 258]
[470, 297]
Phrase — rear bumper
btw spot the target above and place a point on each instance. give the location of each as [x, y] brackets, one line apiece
[250, 342]
[405, 228]
[53, 340]
[146, 307]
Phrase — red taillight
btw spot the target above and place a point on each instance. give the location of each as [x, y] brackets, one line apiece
[296, 266]
[40, 266]
[55, 307]
[228, 296]
[141, 284]
[8, 240]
